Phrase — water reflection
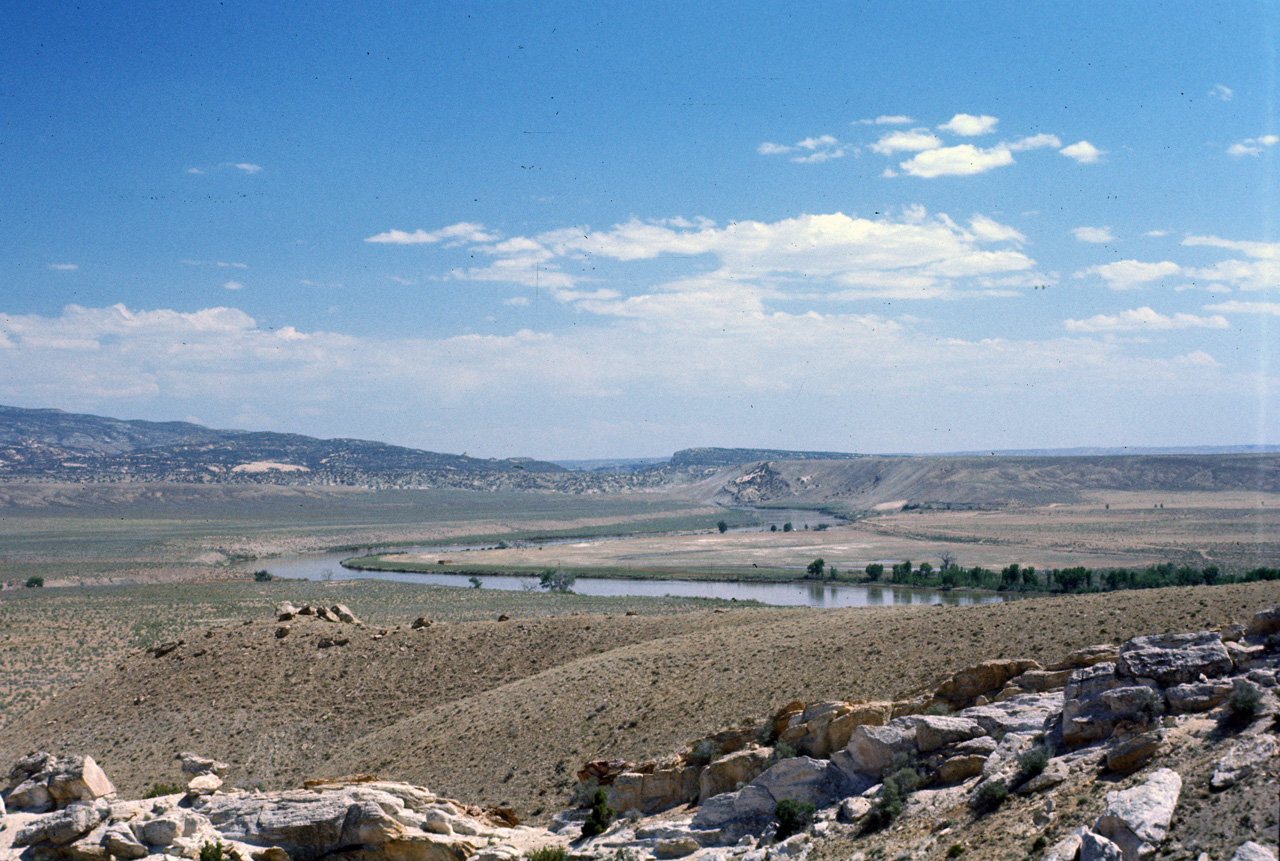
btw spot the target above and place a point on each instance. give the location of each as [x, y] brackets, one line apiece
[794, 594]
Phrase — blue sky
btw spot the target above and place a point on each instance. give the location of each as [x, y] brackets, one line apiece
[588, 230]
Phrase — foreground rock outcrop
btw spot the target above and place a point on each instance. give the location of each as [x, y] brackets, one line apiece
[1101, 755]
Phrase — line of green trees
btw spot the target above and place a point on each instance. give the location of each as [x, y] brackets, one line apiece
[1017, 578]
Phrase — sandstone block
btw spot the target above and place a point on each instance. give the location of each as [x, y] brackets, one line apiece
[1173, 659]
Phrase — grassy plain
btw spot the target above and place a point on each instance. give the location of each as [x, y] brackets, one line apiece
[1234, 530]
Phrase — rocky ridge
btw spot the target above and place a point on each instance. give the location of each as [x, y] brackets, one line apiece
[1154, 729]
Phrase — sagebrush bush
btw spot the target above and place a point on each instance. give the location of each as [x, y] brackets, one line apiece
[1030, 764]
[990, 796]
[1243, 705]
[704, 752]
[212, 852]
[793, 817]
[546, 853]
[159, 789]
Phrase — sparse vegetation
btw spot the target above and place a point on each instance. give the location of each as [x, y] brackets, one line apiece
[601, 815]
[554, 580]
[903, 780]
[1030, 764]
[213, 852]
[704, 752]
[35, 581]
[262, 576]
[1242, 706]
[793, 817]
[159, 789]
[547, 853]
[990, 796]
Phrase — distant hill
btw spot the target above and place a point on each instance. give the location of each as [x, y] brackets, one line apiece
[692, 457]
[48, 443]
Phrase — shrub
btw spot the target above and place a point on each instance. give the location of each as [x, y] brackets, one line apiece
[793, 817]
[782, 750]
[474, 581]
[893, 793]
[546, 853]
[875, 571]
[35, 582]
[159, 789]
[723, 527]
[703, 752]
[990, 796]
[212, 852]
[1030, 764]
[1039, 843]
[955, 851]
[601, 815]
[583, 795]
[262, 576]
[1243, 705]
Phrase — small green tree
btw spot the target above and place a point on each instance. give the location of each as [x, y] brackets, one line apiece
[875, 571]
[35, 581]
[262, 576]
[786, 527]
[723, 527]
[815, 568]
[474, 581]
[556, 581]
[601, 815]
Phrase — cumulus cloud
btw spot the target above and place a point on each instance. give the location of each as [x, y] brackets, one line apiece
[1252, 146]
[908, 141]
[819, 149]
[462, 232]
[248, 168]
[1144, 318]
[889, 120]
[1222, 92]
[64, 267]
[1035, 142]
[990, 230]
[1261, 271]
[1129, 274]
[1082, 151]
[1099, 235]
[968, 125]
[962, 160]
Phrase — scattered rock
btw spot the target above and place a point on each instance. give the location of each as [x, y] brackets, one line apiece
[330, 642]
[732, 772]
[1137, 819]
[1197, 696]
[988, 677]
[42, 781]
[193, 763]
[603, 771]
[1242, 760]
[936, 731]
[344, 614]
[421, 622]
[1129, 755]
[282, 632]
[1264, 624]
[1087, 657]
[1250, 851]
[204, 784]
[676, 847]
[165, 648]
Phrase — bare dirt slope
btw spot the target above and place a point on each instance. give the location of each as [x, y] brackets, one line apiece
[505, 712]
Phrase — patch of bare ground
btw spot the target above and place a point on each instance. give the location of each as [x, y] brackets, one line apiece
[505, 712]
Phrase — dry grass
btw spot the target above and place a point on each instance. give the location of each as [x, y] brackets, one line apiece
[503, 713]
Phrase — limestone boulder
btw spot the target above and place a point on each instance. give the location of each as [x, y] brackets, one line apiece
[1085, 715]
[121, 842]
[1264, 624]
[988, 677]
[1095, 847]
[1139, 703]
[841, 727]
[1197, 696]
[193, 763]
[960, 768]
[1128, 755]
[1023, 713]
[1087, 657]
[750, 802]
[936, 731]
[1137, 820]
[732, 772]
[1174, 659]
[344, 614]
[657, 790]
[1251, 851]
[871, 749]
[804, 779]
[41, 782]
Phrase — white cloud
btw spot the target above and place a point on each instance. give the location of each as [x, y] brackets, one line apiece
[990, 230]
[1099, 235]
[968, 125]
[908, 141]
[1128, 274]
[962, 160]
[1156, 233]
[219, 263]
[517, 302]
[889, 120]
[1260, 272]
[1252, 146]
[406, 282]
[1237, 307]
[249, 168]
[233, 285]
[462, 232]
[1257, 250]
[194, 170]
[1221, 92]
[821, 148]
[1082, 151]
[64, 267]
[1035, 142]
[1144, 319]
